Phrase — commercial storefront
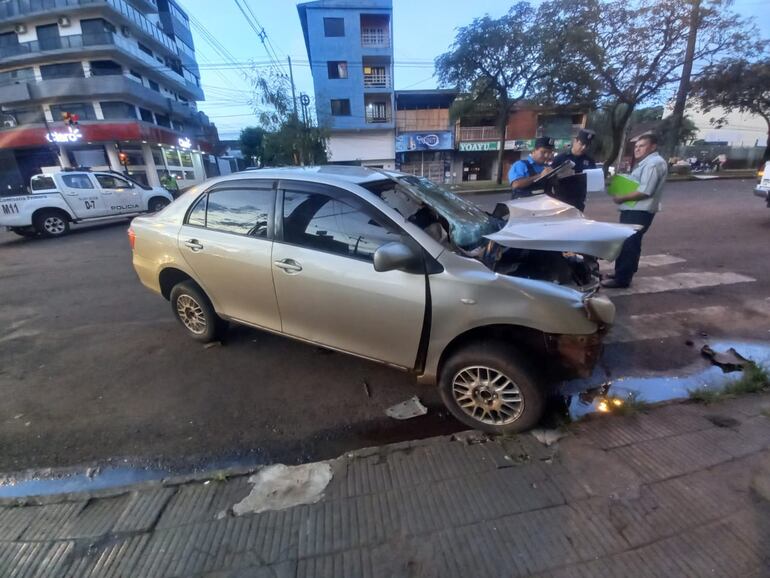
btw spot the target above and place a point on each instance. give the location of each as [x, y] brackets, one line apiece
[149, 152]
[477, 160]
[427, 153]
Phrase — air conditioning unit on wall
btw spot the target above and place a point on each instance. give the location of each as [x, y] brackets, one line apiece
[20, 29]
[64, 21]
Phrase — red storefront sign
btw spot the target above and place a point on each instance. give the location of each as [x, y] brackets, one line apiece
[97, 133]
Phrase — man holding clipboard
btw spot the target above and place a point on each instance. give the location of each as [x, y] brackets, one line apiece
[638, 199]
[525, 172]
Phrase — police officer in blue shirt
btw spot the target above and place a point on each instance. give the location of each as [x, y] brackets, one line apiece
[523, 172]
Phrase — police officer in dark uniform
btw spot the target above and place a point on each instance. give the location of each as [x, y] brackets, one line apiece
[573, 189]
[577, 153]
[523, 172]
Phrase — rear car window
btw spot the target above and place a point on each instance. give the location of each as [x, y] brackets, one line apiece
[42, 183]
[240, 211]
[77, 181]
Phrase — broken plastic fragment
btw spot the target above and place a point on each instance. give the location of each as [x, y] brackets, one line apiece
[407, 409]
[278, 487]
[728, 361]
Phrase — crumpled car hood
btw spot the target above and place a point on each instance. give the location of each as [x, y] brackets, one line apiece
[544, 223]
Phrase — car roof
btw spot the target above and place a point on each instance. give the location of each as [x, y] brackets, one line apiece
[323, 173]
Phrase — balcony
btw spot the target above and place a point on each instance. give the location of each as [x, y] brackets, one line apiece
[75, 41]
[377, 77]
[465, 133]
[20, 10]
[375, 30]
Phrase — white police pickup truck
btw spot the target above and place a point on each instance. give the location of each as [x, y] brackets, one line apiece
[77, 196]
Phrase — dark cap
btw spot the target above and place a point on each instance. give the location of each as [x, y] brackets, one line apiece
[544, 142]
[585, 136]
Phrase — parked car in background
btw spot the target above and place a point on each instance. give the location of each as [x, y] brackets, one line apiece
[763, 186]
[392, 268]
[77, 196]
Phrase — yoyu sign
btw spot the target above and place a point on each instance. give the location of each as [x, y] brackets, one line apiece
[72, 135]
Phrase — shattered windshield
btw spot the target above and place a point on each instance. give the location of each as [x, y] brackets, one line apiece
[432, 207]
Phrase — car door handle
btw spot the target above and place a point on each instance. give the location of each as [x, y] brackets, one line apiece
[288, 265]
[194, 245]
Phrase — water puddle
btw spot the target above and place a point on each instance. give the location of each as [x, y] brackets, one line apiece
[597, 394]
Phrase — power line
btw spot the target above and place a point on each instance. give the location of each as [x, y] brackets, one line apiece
[261, 33]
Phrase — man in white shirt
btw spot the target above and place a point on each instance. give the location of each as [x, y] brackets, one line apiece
[639, 207]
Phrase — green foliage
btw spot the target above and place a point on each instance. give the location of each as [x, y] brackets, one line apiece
[252, 142]
[754, 379]
[283, 139]
[636, 48]
[632, 405]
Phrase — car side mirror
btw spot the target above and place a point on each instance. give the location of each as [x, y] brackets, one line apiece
[397, 256]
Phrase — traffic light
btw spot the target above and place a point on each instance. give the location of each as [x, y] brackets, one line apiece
[123, 159]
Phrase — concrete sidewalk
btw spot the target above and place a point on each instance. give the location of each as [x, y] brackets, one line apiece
[683, 490]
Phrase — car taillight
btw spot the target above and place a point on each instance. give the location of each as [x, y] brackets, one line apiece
[131, 238]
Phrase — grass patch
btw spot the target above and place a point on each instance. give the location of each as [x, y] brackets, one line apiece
[754, 379]
[632, 405]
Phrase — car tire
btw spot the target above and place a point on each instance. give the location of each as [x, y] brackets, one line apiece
[489, 387]
[157, 204]
[52, 223]
[194, 311]
[27, 232]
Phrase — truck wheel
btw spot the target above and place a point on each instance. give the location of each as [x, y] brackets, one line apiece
[196, 314]
[157, 204]
[488, 387]
[52, 223]
[24, 231]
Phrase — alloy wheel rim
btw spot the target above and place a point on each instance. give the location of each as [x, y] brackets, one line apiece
[487, 395]
[191, 314]
[54, 225]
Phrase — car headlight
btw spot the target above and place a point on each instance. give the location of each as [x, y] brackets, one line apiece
[600, 309]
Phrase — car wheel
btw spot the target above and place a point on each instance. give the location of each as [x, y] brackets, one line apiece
[52, 223]
[488, 387]
[157, 204]
[24, 231]
[194, 311]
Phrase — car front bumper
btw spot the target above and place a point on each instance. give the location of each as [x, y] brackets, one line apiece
[762, 192]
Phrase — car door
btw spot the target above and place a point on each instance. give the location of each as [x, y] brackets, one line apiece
[328, 291]
[83, 195]
[120, 195]
[226, 239]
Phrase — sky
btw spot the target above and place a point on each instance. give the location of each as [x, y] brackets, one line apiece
[422, 29]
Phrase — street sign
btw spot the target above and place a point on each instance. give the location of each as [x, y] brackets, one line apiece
[479, 146]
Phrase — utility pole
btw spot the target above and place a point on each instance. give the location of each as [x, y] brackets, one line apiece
[684, 83]
[293, 95]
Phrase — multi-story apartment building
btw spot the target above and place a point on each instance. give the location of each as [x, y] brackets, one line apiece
[350, 49]
[125, 68]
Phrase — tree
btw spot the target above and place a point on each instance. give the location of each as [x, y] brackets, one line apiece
[286, 139]
[685, 135]
[252, 144]
[637, 48]
[736, 85]
[501, 62]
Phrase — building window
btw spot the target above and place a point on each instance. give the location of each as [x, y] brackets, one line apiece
[376, 112]
[163, 120]
[96, 31]
[136, 75]
[340, 107]
[48, 37]
[17, 76]
[61, 70]
[187, 160]
[157, 156]
[84, 110]
[146, 115]
[240, 211]
[105, 68]
[334, 27]
[144, 49]
[118, 110]
[154, 85]
[337, 69]
[135, 156]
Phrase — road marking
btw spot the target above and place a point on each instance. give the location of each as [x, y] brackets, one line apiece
[673, 323]
[648, 261]
[680, 281]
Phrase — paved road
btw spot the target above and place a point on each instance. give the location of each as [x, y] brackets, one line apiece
[93, 367]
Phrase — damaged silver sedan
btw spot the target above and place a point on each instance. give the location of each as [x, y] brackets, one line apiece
[494, 308]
